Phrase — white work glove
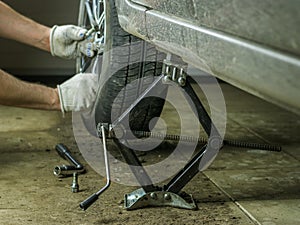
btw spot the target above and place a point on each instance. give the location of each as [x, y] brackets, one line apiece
[78, 93]
[67, 41]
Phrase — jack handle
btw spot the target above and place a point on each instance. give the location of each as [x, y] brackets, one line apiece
[90, 200]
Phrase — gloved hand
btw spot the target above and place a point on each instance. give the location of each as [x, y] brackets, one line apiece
[78, 93]
[64, 41]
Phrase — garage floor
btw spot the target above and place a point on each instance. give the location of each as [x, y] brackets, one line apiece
[242, 186]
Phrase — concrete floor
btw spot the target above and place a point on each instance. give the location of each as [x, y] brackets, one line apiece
[240, 187]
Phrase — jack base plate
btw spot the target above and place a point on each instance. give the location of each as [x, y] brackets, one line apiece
[140, 199]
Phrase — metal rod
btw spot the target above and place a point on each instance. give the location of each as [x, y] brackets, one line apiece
[201, 113]
[187, 173]
[147, 91]
[136, 167]
[90, 200]
[106, 161]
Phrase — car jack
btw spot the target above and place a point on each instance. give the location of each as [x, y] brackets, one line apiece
[170, 194]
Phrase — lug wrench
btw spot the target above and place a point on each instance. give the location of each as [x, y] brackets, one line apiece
[65, 170]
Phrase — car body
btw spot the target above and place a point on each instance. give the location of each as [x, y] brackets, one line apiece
[253, 45]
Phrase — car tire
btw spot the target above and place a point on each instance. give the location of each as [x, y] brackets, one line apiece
[131, 65]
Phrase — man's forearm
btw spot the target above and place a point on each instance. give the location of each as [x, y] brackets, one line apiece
[20, 28]
[14, 92]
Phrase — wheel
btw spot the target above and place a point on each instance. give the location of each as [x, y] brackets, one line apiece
[129, 66]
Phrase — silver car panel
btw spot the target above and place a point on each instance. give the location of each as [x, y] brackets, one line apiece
[268, 67]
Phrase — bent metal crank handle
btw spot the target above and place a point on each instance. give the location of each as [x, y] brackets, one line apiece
[90, 200]
[63, 151]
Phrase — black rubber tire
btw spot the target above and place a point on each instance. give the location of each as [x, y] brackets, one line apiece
[142, 62]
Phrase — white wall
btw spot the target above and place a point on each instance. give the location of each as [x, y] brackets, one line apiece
[20, 59]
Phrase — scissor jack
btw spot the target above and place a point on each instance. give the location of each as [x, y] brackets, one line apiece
[170, 194]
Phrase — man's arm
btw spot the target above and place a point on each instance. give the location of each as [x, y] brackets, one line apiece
[63, 41]
[14, 92]
[20, 28]
[75, 94]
